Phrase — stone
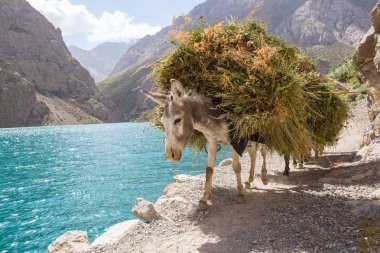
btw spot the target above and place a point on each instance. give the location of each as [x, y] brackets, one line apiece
[182, 178]
[225, 162]
[115, 233]
[375, 195]
[70, 242]
[145, 210]
[367, 58]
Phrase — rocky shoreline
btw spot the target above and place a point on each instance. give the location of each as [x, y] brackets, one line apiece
[319, 208]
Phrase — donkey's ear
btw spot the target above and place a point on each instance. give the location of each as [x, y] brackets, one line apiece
[156, 97]
[176, 88]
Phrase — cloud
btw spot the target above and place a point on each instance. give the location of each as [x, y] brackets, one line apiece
[76, 19]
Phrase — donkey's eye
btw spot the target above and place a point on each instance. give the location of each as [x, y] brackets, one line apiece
[177, 121]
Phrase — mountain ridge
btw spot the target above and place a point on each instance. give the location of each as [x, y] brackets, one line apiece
[100, 60]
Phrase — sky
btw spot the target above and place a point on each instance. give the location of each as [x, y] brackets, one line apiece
[87, 23]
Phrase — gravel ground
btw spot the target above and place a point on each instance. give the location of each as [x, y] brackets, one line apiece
[318, 209]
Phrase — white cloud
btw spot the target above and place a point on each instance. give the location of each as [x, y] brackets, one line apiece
[74, 19]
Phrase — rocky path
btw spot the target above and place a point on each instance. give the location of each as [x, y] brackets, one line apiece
[314, 211]
[332, 205]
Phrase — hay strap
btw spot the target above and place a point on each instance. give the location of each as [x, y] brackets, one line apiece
[219, 148]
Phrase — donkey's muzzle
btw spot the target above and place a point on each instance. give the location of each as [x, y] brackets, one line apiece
[173, 155]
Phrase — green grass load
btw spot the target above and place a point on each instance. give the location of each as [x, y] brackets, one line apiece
[263, 84]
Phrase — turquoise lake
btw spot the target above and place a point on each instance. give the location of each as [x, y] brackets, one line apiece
[86, 177]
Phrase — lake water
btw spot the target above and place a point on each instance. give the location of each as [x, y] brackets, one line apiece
[86, 177]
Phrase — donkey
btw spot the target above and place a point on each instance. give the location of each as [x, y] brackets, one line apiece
[185, 113]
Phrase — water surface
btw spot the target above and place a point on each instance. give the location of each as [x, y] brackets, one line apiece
[86, 177]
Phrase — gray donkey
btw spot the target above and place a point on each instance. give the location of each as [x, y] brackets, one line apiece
[185, 113]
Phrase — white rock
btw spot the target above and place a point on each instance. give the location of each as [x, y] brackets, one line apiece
[375, 195]
[70, 242]
[115, 233]
[184, 178]
[145, 210]
[370, 153]
[226, 162]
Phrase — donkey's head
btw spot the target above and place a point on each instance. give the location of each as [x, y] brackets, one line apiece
[177, 119]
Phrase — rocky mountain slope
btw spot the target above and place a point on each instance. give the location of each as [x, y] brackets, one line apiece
[327, 30]
[100, 60]
[40, 82]
[367, 58]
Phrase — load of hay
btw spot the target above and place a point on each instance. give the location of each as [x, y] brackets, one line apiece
[263, 85]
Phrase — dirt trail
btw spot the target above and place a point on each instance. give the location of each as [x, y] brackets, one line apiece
[318, 209]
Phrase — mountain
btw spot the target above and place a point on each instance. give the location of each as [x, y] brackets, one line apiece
[101, 60]
[326, 30]
[40, 82]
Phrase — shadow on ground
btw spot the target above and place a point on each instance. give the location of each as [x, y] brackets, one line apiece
[296, 215]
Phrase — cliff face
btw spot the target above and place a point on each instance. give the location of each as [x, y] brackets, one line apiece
[326, 22]
[367, 58]
[18, 102]
[327, 30]
[33, 54]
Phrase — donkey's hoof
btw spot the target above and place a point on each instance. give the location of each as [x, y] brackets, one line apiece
[248, 185]
[202, 206]
[241, 199]
[265, 180]
[286, 179]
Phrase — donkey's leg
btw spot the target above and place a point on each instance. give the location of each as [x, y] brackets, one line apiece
[316, 152]
[237, 168]
[287, 158]
[252, 151]
[264, 174]
[300, 165]
[295, 163]
[212, 149]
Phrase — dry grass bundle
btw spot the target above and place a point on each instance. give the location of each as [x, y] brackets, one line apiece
[263, 84]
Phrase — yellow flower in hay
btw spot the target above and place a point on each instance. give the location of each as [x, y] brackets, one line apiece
[204, 45]
[265, 53]
[250, 44]
[182, 36]
[219, 26]
[208, 32]
[172, 33]
[239, 37]
[187, 19]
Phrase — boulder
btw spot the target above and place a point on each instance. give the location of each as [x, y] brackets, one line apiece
[70, 242]
[145, 210]
[367, 58]
[115, 233]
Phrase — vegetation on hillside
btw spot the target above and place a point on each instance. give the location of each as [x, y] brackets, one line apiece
[328, 55]
[347, 73]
